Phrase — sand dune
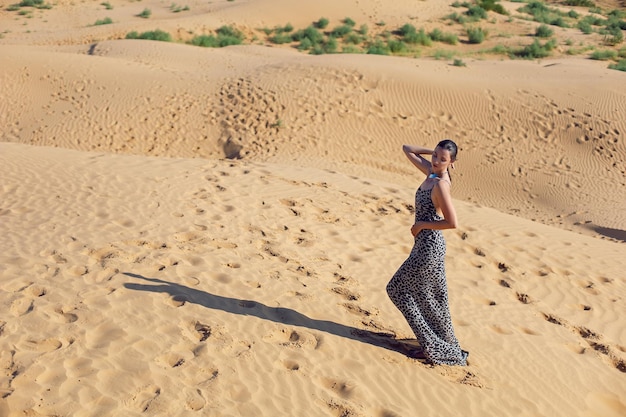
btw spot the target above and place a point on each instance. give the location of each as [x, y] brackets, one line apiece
[190, 231]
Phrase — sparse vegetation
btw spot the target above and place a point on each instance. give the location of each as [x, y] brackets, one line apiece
[604, 55]
[146, 13]
[155, 35]
[224, 36]
[543, 31]
[105, 21]
[107, 5]
[535, 50]
[458, 63]
[620, 66]
[476, 35]
[322, 23]
[177, 9]
[36, 4]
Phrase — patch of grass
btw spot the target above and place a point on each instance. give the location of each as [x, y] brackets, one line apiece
[378, 48]
[397, 46]
[543, 31]
[107, 5]
[475, 13]
[579, 3]
[476, 35]
[348, 22]
[535, 50]
[544, 14]
[441, 54]
[613, 34]
[313, 36]
[105, 21]
[458, 63]
[341, 31]
[604, 55]
[175, 8]
[36, 4]
[351, 49]
[492, 5]
[322, 23]
[146, 13]
[155, 35]
[410, 34]
[354, 38]
[620, 66]
[281, 38]
[439, 36]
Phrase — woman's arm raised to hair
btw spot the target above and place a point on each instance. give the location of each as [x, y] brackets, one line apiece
[414, 153]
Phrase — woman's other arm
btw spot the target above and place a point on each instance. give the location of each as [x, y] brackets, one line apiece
[414, 153]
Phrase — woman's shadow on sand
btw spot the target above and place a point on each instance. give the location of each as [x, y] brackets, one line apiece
[281, 315]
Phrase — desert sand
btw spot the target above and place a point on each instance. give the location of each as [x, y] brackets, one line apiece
[191, 231]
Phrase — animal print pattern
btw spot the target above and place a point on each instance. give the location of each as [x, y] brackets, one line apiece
[419, 290]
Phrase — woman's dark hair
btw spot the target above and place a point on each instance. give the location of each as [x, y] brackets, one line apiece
[451, 147]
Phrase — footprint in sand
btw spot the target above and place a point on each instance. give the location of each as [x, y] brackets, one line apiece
[343, 389]
[21, 306]
[144, 398]
[194, 400]
[46, 345]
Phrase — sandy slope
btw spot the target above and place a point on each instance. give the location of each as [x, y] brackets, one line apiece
[143, 272]
[156, 285]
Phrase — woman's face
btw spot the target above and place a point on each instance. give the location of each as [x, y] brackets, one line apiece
[441, 160]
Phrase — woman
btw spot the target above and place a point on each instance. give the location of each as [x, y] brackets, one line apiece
[419, 288]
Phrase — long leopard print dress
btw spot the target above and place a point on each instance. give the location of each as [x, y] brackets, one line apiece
[420, 292]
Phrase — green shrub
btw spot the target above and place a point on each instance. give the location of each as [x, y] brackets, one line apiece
[604, 55]
[281, 38]
[613, 33]
[145, 13]
[30, 3]
[457, 18]
[363, 29]
[396, 46]
[378, 48]
[206, 41]
[620, 66]
[579, 3]
[305, 44]
[543, 31]
[441, 54]
[458, 63]
[476, 12]
[492, 5]
[105, 21]
[439, 36]
[348, 22]
[107, 5]
[310, 33]
[476, 35]
[177, 9]
[155, 35]
[322, 23]
[535, 50]
[585, 27]
[351, 49]
[353, 38]
[410, 35]
[622, 53]
[341, 31]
